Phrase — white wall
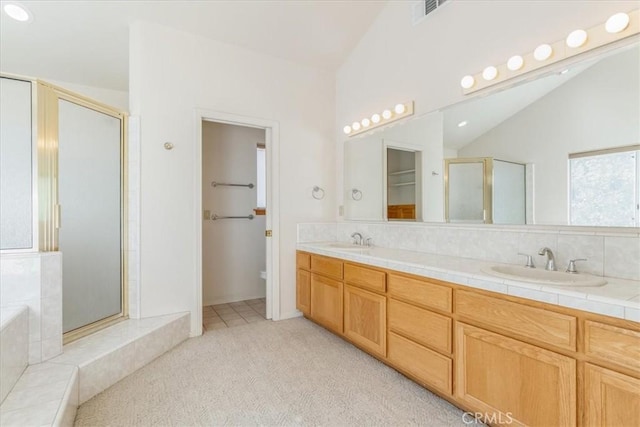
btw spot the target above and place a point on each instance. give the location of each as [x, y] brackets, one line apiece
[396, 61]
[233, 250]
[171, 74]
[595, 110]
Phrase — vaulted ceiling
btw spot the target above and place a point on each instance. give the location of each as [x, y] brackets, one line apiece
[86, 42]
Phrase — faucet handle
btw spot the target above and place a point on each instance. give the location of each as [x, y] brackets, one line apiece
[530, 263]
[571, 268]
[368, 242]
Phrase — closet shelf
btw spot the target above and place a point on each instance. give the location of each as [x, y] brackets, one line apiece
[402, 184]
[402, 172]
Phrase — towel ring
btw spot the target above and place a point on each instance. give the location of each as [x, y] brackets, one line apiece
[356, 194]
[317, 193]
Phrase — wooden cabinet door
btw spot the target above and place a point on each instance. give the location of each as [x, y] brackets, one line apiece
[611, 399]
[513, 382]
[303, 291]
[365, 319]
[326, 302]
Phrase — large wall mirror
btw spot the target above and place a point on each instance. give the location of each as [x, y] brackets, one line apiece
[566, 145]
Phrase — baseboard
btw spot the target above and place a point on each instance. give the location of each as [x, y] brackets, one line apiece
[290, 315]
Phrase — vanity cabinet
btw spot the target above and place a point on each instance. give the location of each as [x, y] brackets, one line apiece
[365, 308]
[326, 302]
[516, 361]
[303, 283]
[611, 398]
[303, 291]
[419, 338]
[365, 318]
[514, 380]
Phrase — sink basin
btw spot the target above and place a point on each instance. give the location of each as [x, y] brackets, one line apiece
[536, 275]
[347, 247]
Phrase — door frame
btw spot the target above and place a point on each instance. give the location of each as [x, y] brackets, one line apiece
[272, 144]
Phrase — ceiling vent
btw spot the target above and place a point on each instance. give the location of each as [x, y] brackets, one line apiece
[423, 8]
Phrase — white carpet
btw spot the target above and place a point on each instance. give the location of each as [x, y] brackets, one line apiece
[291, 372]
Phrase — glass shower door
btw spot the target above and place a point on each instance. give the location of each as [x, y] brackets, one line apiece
[467, 193]
[89, 192]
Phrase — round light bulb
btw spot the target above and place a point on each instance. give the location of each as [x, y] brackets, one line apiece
[399, 108]
[365, 122]
[467, 82]
[17, 12]
[386, 114]
[543, 52]
[616, 23]
[515, 63]
[490, 73]
[577, 38]
[376, 118]
[355, 126]
[346, 129]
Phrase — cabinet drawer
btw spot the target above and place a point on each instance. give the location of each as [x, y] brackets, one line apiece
[612, 344]
[426, 365]
[303, 260]
[420, 292]
[427, 328]
[535, 323]
[327, 266]
[365, 278]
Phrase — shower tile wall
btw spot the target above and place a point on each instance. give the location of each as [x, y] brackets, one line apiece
[35, 280]
[613, 252]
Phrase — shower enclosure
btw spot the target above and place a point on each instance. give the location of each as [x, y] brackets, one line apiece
[64, 189]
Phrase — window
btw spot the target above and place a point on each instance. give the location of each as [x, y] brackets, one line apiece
[261, 187]
[604, 187]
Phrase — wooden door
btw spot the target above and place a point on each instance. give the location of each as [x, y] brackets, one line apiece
[326, 302]
[303, 291]
[512, 382]
[611, 399]
[365, 319]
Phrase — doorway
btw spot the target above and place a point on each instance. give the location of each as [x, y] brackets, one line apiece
[233, 225]
[237, 238]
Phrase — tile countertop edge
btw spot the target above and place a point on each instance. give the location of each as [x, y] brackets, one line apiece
[468, 272]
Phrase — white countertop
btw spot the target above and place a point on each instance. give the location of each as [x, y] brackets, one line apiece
[618, 298]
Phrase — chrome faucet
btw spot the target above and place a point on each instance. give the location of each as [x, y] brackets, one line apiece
[551, 261]
[357, 238]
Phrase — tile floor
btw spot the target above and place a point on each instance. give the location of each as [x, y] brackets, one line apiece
[233, 314]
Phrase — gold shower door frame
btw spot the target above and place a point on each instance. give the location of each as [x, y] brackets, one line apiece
[46, 113]
[487, 185]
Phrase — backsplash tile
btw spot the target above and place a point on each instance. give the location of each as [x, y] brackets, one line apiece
[613, 253]
[579, 246]
[623, 257]
[317, 232]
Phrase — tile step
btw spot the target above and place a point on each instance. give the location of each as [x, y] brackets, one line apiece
[49, 393]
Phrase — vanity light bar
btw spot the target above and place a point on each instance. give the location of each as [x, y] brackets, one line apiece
[619, 26]
[383, 118]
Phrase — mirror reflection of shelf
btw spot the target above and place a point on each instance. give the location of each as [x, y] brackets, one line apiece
[402, 184]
